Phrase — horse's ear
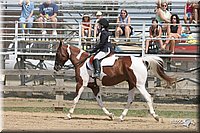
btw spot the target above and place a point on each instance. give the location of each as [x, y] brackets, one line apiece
[61, 42]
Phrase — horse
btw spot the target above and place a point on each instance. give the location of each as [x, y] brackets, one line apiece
[122, 68]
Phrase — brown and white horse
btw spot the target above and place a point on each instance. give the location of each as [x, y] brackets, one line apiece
[125, 68]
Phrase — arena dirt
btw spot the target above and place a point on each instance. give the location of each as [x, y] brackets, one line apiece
[26, 121]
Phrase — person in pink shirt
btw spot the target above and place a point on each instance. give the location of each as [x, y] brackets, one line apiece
[188, 14]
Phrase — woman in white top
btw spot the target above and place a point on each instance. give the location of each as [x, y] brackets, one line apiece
[123, 25]
[163, 15]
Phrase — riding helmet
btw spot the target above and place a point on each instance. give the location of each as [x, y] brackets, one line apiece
[104, 22]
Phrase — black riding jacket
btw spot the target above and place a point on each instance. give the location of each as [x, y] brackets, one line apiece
[105, 42]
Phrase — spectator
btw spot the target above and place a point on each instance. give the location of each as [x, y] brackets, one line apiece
[155, 31]
[48, 12]
[86, 26]
[96, 26]
[173, 32]
[26, 14]
[196, 12]
[163, 15]
[188, 9]
[123, 25]
[158, 4]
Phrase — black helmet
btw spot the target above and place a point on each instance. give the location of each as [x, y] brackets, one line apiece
[104, 22]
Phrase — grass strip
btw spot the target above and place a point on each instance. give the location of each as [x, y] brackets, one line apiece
[117, 112]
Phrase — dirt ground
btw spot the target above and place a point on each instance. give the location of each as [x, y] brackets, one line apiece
[26, 121]
[51, 121]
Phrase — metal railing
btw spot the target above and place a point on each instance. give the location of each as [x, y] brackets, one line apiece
[76, 29]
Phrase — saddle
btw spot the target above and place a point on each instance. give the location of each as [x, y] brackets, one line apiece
[92, 57]
[109, 60]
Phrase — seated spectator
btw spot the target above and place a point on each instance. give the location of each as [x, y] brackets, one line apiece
[48, 12]
[86, 26]
[158, 4]
[96, 26]
[163, 15]
[173, 32]
[123, 25]
[26, 14]
[155, 31]
[188, 9]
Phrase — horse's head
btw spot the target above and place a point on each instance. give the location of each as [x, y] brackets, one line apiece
[62, 56]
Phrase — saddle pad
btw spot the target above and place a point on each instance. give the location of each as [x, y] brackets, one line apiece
[109, 61]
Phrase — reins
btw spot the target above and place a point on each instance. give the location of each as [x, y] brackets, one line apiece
[71, 66]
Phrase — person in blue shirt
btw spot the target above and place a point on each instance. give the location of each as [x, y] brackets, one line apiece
[48, 12]
[26, 14]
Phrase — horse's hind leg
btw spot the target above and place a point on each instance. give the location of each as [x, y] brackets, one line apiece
[149, 100]
[129, 102]
[95, 89]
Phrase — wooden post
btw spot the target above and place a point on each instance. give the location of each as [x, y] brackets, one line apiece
[22, 66]
[59, 94]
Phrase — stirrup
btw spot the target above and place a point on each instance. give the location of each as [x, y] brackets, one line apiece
[96, 75]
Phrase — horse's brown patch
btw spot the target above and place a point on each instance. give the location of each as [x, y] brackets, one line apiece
[119, 72]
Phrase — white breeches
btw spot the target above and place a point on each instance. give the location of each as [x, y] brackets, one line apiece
[101, 54]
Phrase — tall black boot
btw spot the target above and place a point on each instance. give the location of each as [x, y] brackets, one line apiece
[97, 68]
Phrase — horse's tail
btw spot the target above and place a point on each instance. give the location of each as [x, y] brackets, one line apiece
[155, 64]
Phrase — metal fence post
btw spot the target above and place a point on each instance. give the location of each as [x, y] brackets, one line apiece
[16, 38]
[143, 39]
[79, 42]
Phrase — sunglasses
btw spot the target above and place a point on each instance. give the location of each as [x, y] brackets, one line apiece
[123, 13]
[164, 5]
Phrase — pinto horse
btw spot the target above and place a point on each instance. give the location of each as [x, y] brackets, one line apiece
[125, 68]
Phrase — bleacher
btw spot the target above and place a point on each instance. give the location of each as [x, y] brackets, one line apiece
[70, 15]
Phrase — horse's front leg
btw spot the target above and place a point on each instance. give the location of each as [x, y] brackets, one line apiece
[95, 89]
[79, 90]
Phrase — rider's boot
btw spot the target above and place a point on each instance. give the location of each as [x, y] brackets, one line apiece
[97, 68]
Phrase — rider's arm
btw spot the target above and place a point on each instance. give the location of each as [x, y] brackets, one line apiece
[103, 39]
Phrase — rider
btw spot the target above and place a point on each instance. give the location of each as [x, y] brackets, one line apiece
[104, 47]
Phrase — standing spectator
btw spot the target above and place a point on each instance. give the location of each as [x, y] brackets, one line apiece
[96, 26]
[86, 26]
[196, 12]
[48, 12]
[173, 32]
[26, 14]
[155, 31]
[188, 9]
[123, 25]
[163, 15]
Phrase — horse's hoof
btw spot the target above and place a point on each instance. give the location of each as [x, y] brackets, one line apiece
[121, 118]
[68, 117]
[157, 118]
[111, 116]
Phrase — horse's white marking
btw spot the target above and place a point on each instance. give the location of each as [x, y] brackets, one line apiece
[79, 55]
[84, 74]
[139, 70]
[68, 50]
[79, 94]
